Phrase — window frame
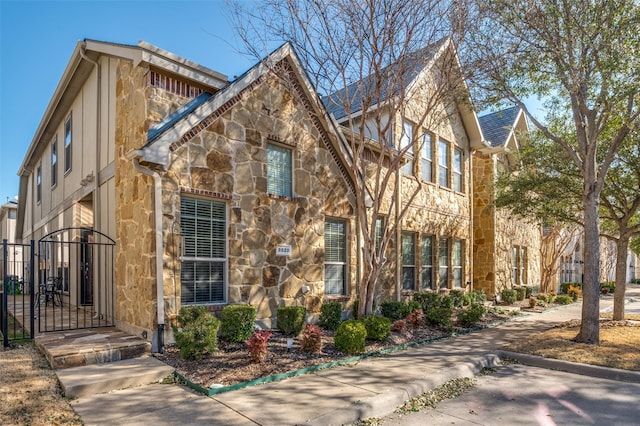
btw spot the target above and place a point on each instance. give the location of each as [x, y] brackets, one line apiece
[426, 157]
[68, 145]
[426, 262]
[458, 175]
[278, 185]
[444, 159]
[54, 162]
[343, 254]
[408, 261]
[443, 278]
[39, 183]
[192, 257]
[457, 264]
[406, 139]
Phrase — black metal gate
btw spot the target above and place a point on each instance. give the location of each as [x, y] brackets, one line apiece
[17, 298]
[76, 276]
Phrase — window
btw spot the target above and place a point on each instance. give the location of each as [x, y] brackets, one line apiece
[408, 261]
[519, 269]
[54, 162]
[443, 263]
[443, 163]
[67, 145]
[457, 263]
[427, 158]
[279, 171]
[427, 262]
[38, 183]
[11, 214]
[406, 140]
[335, 257]
[379, 232]
[204, 229]
[457, 170]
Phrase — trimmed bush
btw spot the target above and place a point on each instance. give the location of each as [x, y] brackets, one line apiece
[426, 299]
[393, 310]
[476, 296]
[528, 291]
[471, 315]
[350, 337]
[311, 339]
[196, 332]
[439, 316]
[291, 319]
[378, 328]
[330, 315]
[237, 322]
[457, 298]
[508, 296]
[521, 293]
[564, 299]
[610, 285]
[412, 306]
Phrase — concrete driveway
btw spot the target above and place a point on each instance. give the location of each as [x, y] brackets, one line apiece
[522, 395]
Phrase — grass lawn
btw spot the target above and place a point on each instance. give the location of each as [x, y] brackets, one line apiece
[619, 343]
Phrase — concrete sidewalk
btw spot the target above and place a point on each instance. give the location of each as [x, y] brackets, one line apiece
[373, 387]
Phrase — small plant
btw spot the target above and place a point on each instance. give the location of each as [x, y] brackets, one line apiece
[608, 287]
[411, 306]
[416, 318]
[330, 315]
[439, 316]
[532, 302]
[291, 319]
[528, 290]
[470, 316]
[311, 339]
[394, 310]
[350, 337]
[378, 328]
[426, 299]
[508, 296]
[564, 299]
[196, 332]
[543, 297]
[257, 345]
[521, 293]
[551, 297]
[399, 326]
[457, 297]
[564, 287]
[237, 322]
[541, 303]
[574, 292]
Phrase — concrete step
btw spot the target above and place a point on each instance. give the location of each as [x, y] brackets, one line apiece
[76, 348]
[102, 378]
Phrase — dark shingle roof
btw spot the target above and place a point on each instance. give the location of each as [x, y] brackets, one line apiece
[171, 119]
[496, 126]
[335, 102]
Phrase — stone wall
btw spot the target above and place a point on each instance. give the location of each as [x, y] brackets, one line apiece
[227, 161]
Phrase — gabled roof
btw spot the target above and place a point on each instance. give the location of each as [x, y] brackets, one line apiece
[497, 127]
[186, 109]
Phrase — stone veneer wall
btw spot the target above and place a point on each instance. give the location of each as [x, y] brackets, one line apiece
[227, 161]
[484, 223]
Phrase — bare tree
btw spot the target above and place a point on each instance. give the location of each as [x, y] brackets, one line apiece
[582, 57]
[556, 241]
[376, 63]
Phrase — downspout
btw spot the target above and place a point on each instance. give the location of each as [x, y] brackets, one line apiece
[157, 180]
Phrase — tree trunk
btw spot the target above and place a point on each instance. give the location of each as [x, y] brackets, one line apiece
[622, 246]
[590, 326]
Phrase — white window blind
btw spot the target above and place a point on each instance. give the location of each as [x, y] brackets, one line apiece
[279, 171]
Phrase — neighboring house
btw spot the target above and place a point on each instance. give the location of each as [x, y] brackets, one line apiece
[214, 192]
[506, 249]
[14, 267]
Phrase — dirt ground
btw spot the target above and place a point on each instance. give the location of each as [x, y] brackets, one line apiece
[29, 390]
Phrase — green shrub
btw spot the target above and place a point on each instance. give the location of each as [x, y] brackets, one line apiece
[196, 332]
[528, 291]
[542, 296]
[426, 299]
[411, 306]
[564, 287]
[237, 322]
[330, 315]
[551, 297]
[541, 302]
[476, 296]
[350, 337]
[439, 316]
[311, 339]
[291, 319]
[457, 298]
[378, 328]
[564, 299]
[393, 310]
[611, 285]
[521, 293]
[471, 315]
[508, 296]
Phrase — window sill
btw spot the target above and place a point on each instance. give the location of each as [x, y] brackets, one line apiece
[282, 197]
[336, 298]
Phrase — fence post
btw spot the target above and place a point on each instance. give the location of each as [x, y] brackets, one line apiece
[5, 302]
[31, 290]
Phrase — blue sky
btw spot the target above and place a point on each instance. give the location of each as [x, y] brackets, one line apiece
[37, 39]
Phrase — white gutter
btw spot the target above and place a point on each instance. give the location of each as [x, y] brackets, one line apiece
[157, 178]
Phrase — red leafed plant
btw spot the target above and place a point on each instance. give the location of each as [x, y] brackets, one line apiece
[311, 340]
[257, 345]
[416, 318]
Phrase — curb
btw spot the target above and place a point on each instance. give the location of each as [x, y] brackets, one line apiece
[386, 402]
[573, 367]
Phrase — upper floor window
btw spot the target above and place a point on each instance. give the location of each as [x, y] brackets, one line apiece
[279, 171]
[38, 183]
[457, 170]
[335, 257]
[408, 261]
[54, 162]
[406, 140]
[203, 268]
[67, 145]
[427, 158]
[443, 163]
